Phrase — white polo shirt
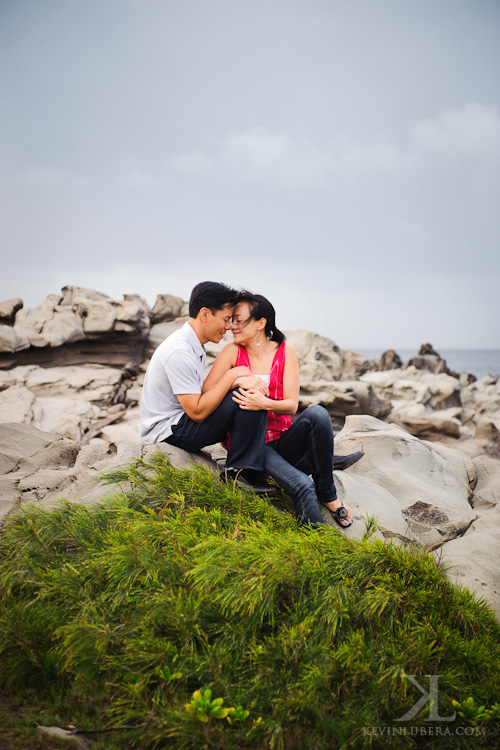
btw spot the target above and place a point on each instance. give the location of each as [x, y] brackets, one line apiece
[176, 367]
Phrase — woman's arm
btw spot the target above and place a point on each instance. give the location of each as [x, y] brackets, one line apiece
[226, 359]
[254, 401]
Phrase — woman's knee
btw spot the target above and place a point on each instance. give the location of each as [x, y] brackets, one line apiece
[317, 414]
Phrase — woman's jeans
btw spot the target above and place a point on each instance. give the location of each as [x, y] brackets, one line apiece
[247, 428]
[306, 448]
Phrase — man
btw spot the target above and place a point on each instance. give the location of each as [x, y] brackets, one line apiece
[173, 407]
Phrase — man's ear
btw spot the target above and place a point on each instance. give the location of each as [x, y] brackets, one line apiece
[204, 314]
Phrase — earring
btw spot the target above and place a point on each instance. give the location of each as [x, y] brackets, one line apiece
[258, 336]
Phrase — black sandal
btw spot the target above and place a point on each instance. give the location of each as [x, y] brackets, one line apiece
[341, 514]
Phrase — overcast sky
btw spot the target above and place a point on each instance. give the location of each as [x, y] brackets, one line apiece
[341, 157]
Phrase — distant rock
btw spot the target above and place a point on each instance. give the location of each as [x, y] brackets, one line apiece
[167, 307]
[321, 359]
[390, 360]
[429, 359]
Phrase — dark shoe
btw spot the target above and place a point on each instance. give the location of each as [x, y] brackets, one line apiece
[343, 462]
[249, 479]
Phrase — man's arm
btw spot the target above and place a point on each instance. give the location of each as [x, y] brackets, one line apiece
[198, 406]
[224, 363]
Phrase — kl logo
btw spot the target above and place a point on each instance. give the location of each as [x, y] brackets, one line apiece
[431, 696]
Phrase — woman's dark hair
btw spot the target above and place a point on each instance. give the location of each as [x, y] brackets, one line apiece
[260, 307]
[211, 294]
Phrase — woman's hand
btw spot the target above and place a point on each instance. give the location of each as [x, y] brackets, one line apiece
[251, 382]
[251, 399]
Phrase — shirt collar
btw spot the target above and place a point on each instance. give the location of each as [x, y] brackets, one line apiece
[193, 339]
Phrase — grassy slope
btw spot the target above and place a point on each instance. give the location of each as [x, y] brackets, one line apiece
[114, 615]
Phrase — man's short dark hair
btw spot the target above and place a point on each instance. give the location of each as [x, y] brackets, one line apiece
[211, 294]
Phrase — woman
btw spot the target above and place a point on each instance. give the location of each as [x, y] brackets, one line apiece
[293, 451]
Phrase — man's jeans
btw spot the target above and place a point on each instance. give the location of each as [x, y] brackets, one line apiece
[247, 428]
[306, 448]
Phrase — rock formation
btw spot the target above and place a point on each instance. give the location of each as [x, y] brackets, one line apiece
[71, 374]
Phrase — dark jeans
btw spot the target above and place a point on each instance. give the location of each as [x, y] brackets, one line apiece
[247, 428]
[306, 448]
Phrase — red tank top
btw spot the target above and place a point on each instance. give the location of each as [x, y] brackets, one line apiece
[276, 423]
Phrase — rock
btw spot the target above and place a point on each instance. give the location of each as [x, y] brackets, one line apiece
[72, 323]
[179, 458]
[11, 340]
[429, 362]
[410, 386]
[418, 490]
[474, 559]
[16, 404]
[8, 310]
[390, 360]
[47, 324]
[40, 467]
[160, 331]
[19, 442]
[483, 397]
[489, 434]
[430, 426]
[64, 735]
[341, 398]
[429, 359]
[321, 359]
[93, 383]
[109, 316]
[427, 349]
[72, 401]
[167, 307]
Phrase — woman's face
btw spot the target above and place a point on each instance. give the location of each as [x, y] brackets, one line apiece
[244, 327]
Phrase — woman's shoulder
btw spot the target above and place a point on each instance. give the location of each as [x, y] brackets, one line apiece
[229, 352]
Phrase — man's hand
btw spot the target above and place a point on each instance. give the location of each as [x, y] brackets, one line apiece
[252, 382]
[251, 400]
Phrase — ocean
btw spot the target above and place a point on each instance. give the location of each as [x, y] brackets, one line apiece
[479, 362]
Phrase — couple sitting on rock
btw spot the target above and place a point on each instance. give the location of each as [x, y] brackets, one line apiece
[245, 401]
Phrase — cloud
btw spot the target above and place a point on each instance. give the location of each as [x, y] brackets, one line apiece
[257, 155]
[470, 133]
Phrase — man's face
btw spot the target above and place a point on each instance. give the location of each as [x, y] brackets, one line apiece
[218, 323]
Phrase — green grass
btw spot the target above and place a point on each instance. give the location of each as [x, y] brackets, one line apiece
[116, 614]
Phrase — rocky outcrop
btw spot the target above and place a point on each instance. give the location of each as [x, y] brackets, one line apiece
[341, 398]
[321, 359]
[167, 307]
[71, 401]
[71, 374]
[425, 493]
[82, 325]
[420, 492]
[42, 467]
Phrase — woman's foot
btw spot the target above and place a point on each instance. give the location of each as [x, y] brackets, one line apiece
[341, 513]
